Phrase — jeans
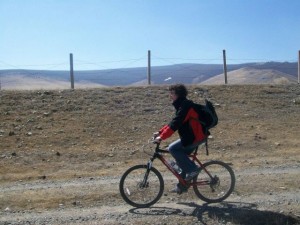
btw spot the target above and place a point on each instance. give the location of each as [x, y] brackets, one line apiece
[180, 153]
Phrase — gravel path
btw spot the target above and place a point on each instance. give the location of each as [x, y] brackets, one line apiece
[170, 210]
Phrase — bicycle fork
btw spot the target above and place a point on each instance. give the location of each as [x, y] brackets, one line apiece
[145, 182]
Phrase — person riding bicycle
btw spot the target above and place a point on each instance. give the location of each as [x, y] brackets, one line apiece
[189, 130]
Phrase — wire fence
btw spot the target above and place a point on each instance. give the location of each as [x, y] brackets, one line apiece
[126, 72]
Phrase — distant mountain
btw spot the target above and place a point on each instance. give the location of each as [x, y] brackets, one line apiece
[252, 76]
[179, 73]
[285, 67]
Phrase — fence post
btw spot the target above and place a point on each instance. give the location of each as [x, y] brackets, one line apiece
[149, 67]
[299, 67]
[225, 66]
[71, 71]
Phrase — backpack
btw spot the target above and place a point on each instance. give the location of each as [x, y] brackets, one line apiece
[207, 115]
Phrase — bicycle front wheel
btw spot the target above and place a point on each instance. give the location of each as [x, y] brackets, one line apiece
[215, 182]
[141, 187]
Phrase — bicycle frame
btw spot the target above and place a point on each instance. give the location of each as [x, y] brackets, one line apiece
[158, 154]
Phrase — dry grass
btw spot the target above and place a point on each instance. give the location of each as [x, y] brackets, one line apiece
[66, 133]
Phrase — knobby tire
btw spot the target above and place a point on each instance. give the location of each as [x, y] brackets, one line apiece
[138, 193]
[218, 188]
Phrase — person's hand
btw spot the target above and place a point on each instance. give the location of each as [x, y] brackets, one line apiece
[157, 140]
[155, 135]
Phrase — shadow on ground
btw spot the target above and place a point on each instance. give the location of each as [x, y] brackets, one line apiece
[233, 212]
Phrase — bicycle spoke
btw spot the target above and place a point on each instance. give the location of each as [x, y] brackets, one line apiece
[216, 187]
[140, 190]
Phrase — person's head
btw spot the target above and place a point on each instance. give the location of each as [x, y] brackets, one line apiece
[178, 91]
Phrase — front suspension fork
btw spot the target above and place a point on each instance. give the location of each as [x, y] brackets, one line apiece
[145, 180]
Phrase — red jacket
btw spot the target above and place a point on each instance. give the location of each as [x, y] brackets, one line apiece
[189, 129]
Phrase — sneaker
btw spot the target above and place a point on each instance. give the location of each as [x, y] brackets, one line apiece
[179, 189]
[190, 176]
[176, 190]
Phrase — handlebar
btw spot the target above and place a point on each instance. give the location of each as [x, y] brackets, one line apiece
[153, 140]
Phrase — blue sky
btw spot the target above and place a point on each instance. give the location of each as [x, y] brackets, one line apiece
[102, 34]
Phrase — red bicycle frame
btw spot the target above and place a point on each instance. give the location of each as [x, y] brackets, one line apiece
[181, 180]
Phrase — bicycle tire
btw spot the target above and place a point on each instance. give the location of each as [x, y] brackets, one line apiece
[220, 187]
[136, 194]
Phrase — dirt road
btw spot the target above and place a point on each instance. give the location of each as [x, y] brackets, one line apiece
[280, 206]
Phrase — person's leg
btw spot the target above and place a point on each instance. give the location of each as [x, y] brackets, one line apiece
[180, 153]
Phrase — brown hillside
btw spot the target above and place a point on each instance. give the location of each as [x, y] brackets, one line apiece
[252, 76]
[23, 82]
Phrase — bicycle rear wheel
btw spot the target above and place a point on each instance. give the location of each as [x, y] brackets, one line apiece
[215, 182]
[141, 187]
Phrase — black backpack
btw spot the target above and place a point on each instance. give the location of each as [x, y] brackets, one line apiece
[207, 115]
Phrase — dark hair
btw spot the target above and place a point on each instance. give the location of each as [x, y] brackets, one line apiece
[179, 89]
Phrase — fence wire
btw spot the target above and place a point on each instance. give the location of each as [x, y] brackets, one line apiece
[164, 70]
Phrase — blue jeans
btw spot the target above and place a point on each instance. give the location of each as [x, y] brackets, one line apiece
[180, 153]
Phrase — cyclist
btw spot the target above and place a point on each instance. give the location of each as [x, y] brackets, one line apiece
[189, 130]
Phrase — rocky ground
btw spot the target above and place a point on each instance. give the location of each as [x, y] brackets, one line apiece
[62, 154]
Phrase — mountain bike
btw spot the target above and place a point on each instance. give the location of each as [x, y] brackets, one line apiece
[142, 185]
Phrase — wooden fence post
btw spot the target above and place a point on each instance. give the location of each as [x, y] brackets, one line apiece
[225, 66]
[71, 71]
[298, 67]
[149, 67]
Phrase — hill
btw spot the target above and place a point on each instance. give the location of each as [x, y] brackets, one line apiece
[25, 82]
[253, 76]
[62, 154]
[179, 73]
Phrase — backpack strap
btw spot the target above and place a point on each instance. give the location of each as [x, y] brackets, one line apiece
[206, 145]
